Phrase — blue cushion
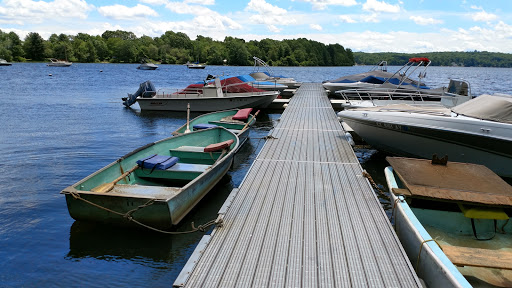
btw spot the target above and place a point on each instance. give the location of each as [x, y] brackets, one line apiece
[203, 126]
[158, 162]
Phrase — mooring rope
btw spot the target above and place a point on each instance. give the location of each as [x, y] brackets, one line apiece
[128, 216]
[421, 247]
[374, 185]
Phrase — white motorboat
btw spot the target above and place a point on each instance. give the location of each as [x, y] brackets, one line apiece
[458, 92]
[147, 66]
[477, 131]
[58, 63]
[230, 93]
[4, 63]
[269, 76]
[452, 220]
[379, 77]
[196, 65]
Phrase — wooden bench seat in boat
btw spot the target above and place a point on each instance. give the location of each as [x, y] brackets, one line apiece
[477, 257]
[194, 152]
[460, 182]
[144, 191]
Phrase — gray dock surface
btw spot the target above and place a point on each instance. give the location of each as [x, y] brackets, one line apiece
[304, 216]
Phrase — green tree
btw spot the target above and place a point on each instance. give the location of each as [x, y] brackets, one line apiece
[34, 46]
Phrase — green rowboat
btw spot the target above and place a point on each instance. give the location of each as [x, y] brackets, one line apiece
[222, 119]
[132, 188]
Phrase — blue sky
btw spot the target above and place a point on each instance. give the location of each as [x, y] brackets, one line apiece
[362, 25]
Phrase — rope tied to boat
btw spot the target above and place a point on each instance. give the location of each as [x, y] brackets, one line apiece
[128, 216]
[421, 247]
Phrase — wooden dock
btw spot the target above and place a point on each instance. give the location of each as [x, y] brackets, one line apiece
[304, 216]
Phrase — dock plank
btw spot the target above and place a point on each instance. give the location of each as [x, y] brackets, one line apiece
[304, 216]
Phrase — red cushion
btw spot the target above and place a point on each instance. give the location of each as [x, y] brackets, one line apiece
[242, 114]
[218, 146]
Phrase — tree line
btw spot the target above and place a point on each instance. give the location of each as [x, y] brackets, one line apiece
[465, 59]
[170, 48]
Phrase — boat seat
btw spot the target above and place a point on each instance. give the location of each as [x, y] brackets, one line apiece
[482, 212]
[477, 257]
[203, 126]
[179, 171]
[195, 154]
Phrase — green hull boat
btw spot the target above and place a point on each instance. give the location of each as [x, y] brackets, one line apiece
[136, 189]
[222, 119]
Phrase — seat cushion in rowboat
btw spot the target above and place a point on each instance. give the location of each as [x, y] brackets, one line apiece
[242, 114]
[218, 146]
[203, 126]
[158, 162]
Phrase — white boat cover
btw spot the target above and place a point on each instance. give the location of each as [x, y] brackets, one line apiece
[496, 107]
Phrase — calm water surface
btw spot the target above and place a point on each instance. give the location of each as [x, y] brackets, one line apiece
[57, 129]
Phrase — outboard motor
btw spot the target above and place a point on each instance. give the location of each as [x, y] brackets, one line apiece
[146, 90]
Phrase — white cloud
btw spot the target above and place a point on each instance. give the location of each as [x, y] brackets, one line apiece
[202, 2]
[262, 7]
[155, 2]
[323, 4]
[205, 19]
[27, 11]
[346, 19]
[269, 15]
[483, 16]
[119, 12]
[420, 20]
[380, 6]
[315, 27]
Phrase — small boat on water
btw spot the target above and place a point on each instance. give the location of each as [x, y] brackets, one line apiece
[196, 65]
[478, 131]
[377, 75]
[268, 75]
[147, 66]
[453, 221]
[4, 63]
[155, 185]
[226, 94]
[237, 121]
[58, 63]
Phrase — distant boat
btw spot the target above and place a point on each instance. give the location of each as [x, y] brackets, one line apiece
[237, 121]
[223, 94]
[4, 63]
[147, 66]
[452, 220]
[196, 65]
[58, 63]
[269, 76]
[155, 185]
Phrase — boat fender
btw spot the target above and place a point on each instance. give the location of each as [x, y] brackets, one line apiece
[350, 139]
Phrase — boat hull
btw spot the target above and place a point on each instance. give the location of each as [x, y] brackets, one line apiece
[405, 136]
[206, 104]
[434, 267]
[151, 201]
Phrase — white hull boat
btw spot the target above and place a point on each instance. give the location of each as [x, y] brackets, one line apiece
[458, 92]
[269, 75]
[201, 99]
[453, 221]
[147, 66]
[58, 63]
[478, 131]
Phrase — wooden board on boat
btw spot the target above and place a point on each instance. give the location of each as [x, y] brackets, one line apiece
[455, 181]
[476, 257]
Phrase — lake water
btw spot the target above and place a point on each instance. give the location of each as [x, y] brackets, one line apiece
[57, 129]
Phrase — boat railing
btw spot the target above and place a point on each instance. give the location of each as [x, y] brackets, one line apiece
[390, 94]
